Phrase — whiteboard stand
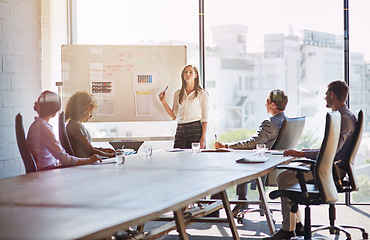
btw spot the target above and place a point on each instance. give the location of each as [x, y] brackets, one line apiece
[60, 89]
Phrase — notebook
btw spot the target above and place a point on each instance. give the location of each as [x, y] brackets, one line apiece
[253, 159]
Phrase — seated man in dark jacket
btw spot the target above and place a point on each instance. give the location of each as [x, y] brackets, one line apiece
[266, 133]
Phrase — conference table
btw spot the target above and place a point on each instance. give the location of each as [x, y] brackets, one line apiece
[96, 201]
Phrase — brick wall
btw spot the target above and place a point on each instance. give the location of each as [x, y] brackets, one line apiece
[20, 77]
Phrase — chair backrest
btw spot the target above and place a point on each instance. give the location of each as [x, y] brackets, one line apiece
[288, 137]
[323, 170]
[24, 150]
[351, 155]
[289, 134]
[63, 137]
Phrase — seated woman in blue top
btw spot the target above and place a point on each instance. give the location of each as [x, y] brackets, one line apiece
[45, 148]
[80, 107]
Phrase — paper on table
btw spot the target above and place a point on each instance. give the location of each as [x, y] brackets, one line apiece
[175, 150]
[105, 161]
[275, 152]
[217, 150]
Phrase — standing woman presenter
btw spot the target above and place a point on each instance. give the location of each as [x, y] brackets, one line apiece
[190, 108]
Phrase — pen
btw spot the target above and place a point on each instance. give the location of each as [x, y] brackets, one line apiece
[165, 89]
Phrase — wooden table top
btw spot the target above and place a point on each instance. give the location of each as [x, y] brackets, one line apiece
[100, 199]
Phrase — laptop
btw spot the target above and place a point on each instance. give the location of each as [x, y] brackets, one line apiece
[135, 145]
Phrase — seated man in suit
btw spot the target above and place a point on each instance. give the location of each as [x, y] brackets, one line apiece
[336, 96]
[266, 133]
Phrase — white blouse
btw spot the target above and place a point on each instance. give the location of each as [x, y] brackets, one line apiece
[192, 108]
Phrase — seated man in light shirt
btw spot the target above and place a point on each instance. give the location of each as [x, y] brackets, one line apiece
[267, 132]
[45, 148]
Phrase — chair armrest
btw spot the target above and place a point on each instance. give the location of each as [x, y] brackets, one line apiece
[299, 175]
[304, 160]
[294, 168]
[307, 161]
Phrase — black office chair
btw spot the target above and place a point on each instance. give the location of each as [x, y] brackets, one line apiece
[348, 184]
[63, 136]
[323, 190]
[24, 150]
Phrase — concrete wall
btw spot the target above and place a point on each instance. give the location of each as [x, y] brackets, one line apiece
[20, 77]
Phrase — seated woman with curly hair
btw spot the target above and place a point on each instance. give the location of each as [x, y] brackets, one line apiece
[80, 107]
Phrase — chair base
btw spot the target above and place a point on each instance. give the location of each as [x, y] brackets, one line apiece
[336, 229]
[312, 238]
[333, 230]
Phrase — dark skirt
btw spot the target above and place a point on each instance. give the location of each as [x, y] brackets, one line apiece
[187, 133]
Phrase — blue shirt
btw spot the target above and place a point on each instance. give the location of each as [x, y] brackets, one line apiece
[46, 150]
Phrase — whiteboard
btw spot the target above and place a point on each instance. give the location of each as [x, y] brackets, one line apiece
[125, 80]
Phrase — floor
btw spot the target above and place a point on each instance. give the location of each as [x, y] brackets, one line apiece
[254, 226]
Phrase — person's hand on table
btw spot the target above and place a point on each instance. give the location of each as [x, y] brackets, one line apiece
[108, 150]
[219, 145]
[294, 153]
[310, 149]
[111, 154]
[95, 158]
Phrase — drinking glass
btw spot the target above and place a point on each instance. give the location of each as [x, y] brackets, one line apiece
[195, 147]
[261, 149]
[120, 156]
[148, 150]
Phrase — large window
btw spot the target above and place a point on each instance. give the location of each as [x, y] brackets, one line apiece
[251, 48]
[132, 22]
